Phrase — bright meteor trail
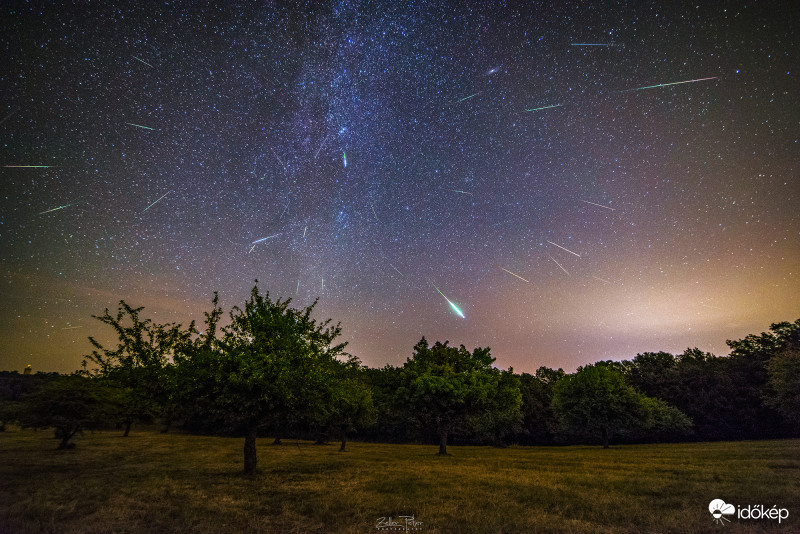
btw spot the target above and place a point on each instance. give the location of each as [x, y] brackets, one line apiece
[455, 308]
[513, 274]
[140, 126]
[27, 166]
[157, 201]
[467, 98]
[58, 208]
[562, 248]
[143, 61]
[667, 84]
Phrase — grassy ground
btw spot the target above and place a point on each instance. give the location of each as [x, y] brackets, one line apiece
[151, 482]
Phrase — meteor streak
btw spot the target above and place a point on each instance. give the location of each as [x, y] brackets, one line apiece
[594, 44]
[264, 239]
[602, 280]
[27, 166]
[157, 201]
[456, 191]
[598, 205]
[320, 146]
[143, 61]
[667, 84]
[563, 269]
[562, 248]
[395, 268]
[305, 230]
[140, 126]
[373, 212]
[513, 274]
[455, 308]
[344, 158]
[58, 208]
[544, 107]
[467, 97]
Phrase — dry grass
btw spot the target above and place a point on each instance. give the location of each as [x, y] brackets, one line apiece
[151, 482]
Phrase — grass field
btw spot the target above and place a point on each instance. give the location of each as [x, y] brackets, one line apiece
[150, 482]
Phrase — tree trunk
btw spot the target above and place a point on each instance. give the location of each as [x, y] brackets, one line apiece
[167, 426]
[65, 436]
[442, 442]
[250, 458]
[277, 441]
[343, 448]
[127, 428]
[605, 437]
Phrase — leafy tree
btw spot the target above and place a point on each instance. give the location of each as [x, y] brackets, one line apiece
[784, 385]
[139, 365]
[349, 405]
[271, 364]
[539, 423]
[597, 400]
[446, 386]
[393, 421]
[69, 405]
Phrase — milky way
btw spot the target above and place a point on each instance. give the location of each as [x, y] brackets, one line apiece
[636, 165]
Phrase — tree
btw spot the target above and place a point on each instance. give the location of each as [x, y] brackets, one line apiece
[273, 363]
[69, 404]
[784, 385]
[349, 406]
[597, 400]
[140, 363]
[446, 386]
[539, 423]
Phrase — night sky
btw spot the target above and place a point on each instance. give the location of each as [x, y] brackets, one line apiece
[533, 165]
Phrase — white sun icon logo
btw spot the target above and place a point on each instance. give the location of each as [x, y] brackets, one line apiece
[718, 509]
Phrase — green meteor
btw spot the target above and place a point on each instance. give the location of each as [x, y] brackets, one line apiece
[140, 126]
[455, 308]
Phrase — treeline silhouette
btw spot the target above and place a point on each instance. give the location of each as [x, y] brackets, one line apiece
[274, 371]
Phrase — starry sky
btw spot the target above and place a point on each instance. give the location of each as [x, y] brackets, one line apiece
[533, 167]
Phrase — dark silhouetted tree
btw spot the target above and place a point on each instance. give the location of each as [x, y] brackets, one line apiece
[446, 386]
[272, 363]
[69, 405]
[140, 364]
[598, 401]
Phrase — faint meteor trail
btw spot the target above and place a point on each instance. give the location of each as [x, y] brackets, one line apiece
[320, 146]
[305, 230]
[395, 268]
[455, 308]
[297, 291]
[71, 327]
[279, 159]
[285, 209]
[513, 274]
[562, 248]
[157, 201]
[456, 191]
[667, 84]
[598, 205]
[601, 279]
[594, 44]
[8, 117]
[373, 212]
[58, 208]
[140, 126]
[467, 97]
[143, 61]
[544, 107]
[563, 269]
[27, 166]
